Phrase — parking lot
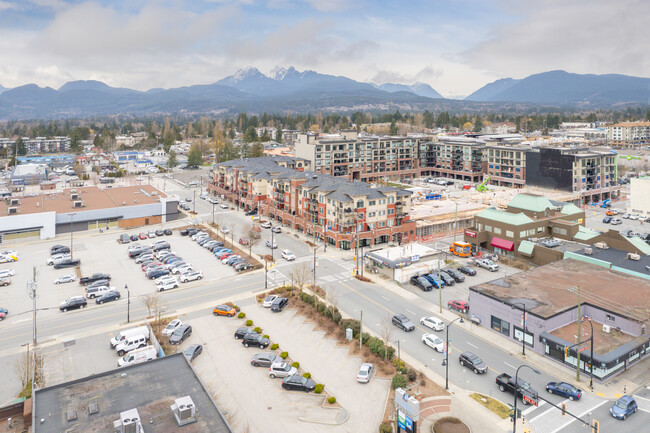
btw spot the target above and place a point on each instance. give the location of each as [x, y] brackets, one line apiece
[258, 401]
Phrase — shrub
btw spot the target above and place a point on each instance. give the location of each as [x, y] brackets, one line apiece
[385, 427]
[307, 375]
[265, 336]
[296, 364]
[257, 329]
[376, 346]
[284, 355]
[401, 364]
[336, 316]
[390, 352]
[403, 370]
[362, 278]
[399, 381]
[321, 307]
[352, 324]
[237, 309]
[412, 375]
[319, 388]
[274, 346]
[249, 322]
[365, 337]
[241, 315]
[331, 400]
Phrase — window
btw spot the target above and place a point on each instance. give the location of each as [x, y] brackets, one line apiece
[517, 334]
[497, 231]
[359, 204]
[540, 229]
[391, 211]
[371, 203]
[371, 214]
[509, 234]
[501, 326]
[488, 228]
[610, 318]
[391, 199]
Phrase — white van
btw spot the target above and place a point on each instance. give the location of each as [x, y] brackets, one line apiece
[125, 333]
[137, 356]
[131, 343]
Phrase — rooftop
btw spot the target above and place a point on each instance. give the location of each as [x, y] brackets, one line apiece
[619, 258]
[546, 289]
[604, 342]
[515, 219]
[93, 198]
[531, 202]
[151, 388]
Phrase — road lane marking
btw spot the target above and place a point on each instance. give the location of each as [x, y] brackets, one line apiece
[385, 298]
[532, 420]
[580, 416]
[410, 312]
[475, 347]
[511, 366]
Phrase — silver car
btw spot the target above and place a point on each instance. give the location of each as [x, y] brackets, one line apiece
[281, 369]
[365, 372]
[65, 279]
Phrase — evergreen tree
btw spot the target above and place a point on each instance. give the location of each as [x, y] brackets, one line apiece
[427, 118]
[172, 161]
[257, 150]
[194, 158]
[478, 124]
[393, 128]
[278, 133]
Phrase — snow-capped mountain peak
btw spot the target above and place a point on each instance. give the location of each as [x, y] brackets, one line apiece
[278, 73]
[244, 73]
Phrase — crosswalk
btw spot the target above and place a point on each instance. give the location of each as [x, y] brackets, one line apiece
[281, 274]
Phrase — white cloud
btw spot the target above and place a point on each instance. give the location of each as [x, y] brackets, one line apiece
[582, 36]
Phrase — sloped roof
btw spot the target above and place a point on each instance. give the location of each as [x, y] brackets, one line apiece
[570, 209]
[526, 247]
[533, 203]
[584, 233]
[640, 244]
[515, 219]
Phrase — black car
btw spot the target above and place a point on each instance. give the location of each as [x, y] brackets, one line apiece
[159, 232]
[137, 251]
[298, 383]
[59, 249]
[453, 273]
[134, 238]
[242, 266]
[467, 270]
[193, 351]
[125, 239]
[184, 232]
[98, 283]
[73, 303]
[279, 304]
[473, 362]
[254, 339]
[448, 279]
[422, 283]
[167, 232]
[94, 277]
[157, 273]
[251, 212]
[192, 231]
[403, 322]
[112, 295]
[240, 333]
[161, 246]
[67, 263]
[264, 359]
[180, 334]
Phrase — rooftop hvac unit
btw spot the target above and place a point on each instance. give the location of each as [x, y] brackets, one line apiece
[12, 211]
[129, 422]
[74, 196]
[633, 256]
[73, 191]
[184, 410]
[78, 203]
[14, 202]
[589, 251]
[606, 328]
[601, 245]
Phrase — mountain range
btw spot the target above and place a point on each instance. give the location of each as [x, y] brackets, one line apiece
[290, 90]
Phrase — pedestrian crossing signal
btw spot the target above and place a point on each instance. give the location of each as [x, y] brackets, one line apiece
[563, 406]
[595, 426]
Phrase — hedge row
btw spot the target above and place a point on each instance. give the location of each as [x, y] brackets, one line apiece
[330, 312]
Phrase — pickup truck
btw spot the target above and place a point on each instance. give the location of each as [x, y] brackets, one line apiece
[94, 277]
[487, 264]
[526, 392]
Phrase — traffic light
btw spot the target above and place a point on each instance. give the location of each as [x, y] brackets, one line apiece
[595, 426]
[512, 412]
[563, 406]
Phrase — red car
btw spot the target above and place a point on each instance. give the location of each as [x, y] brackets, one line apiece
[143, 236]
[458, 305]
[243, 241]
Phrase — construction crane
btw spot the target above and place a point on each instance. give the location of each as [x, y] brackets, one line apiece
[481, 187]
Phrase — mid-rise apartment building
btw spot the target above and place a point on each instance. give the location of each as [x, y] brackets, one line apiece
[329, 208]
[362, 157]
[506, 165]
[459, 158]
[40, 144]
[628, 135]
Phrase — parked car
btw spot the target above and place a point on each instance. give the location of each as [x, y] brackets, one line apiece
[276, 229]
[434, 342]
[288, 255]
[66, 263]
[611, 212]
[254, 339]
[7, 273]
[180, 334]
[473, 362]
[264, 359]
[5, 282]
[453, 273]
[458, 305]
[111, 295]
[191, 276]
[167, 285]
[564, 389]
[138, 356]
[269, 301]
[96, 292]
[403, 322]
[224, 310]
[422, 283]
[279, 304]
[607, 220]
[180, 269]
[223, 206]
[244, 241]
[243, 266]
[487, 264]
[436, 282]
[266, 225]
[161, 246]
[159, 232]
[251, 212]
[193, 351]
[448, 279]
[59, 249]
[273, 245]
[298, 383]
[171, 327]
[624, 407]
[365, 372]
[433, 323]
[240, 333]
[73, 303]
[167, 232]
[156, 273]
[616, 221]
[65, 279]
[134, 238]
[281, 369]
[3, 313]
[98, 283]
[151, 234]
[467, 270]
[56, 257]
[143, 236]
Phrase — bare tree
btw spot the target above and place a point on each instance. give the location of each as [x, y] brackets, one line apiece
[386, 332]
[331, 296]
[253, 239]
[151, 302]
[24, 367]
[300, 274]
[231, 228]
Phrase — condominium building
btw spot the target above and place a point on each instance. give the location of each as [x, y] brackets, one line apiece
[506, 165]
[40, 144]
[362, 157]
[459, 158]
[326, 207]
[628, 135]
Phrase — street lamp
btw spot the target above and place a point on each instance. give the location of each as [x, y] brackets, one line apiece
[514, 418]
[439, 279]
[445, 361]
[314, 264]
[128, 304]
[523, 331]
[266, 273]
[591, 360]
[272, 240]
[72, 214]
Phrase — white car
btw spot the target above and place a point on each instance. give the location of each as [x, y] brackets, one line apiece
[288, 255]
[8, 258]
[266, 225]
[7, 273]
[223, 206]
[224, 230]
[140, 178]
[9, 253]
[487, 264]
[191, 276]
[616, 221]
[169, 329]
[193, 183]
[65, 279]
[433, 342]
[50, 261]
[197, 235]
[634, 216]
[182, 269]
[234, 256]
[167, 285]
[365, 372]
[277, 229]
[433, 323]
[152, 234]
[165, 279]
[269, 301]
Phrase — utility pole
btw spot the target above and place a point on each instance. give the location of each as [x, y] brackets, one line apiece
[579, 336]
[455, 221]
[439, 283]
[361, 330]
[194, 202]
[31, 291]
[356, 235]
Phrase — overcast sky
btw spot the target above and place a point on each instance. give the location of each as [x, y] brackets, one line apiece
[456, 46]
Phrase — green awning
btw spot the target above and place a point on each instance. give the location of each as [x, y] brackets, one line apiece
[526, 248]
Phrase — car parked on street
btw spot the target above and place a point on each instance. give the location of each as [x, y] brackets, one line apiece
[281, 369]
[458, 305]
[365, 372]
[298, 383]
[433, 323]
[111, 295]
[180, 334]
[65, 279]
[473, 362]
[403, 322]
[264, 359]
[254, 339]
[244, 241]
[266, 225]
[277, 229]
[73, 303]
[564, 389]
[3, 313]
